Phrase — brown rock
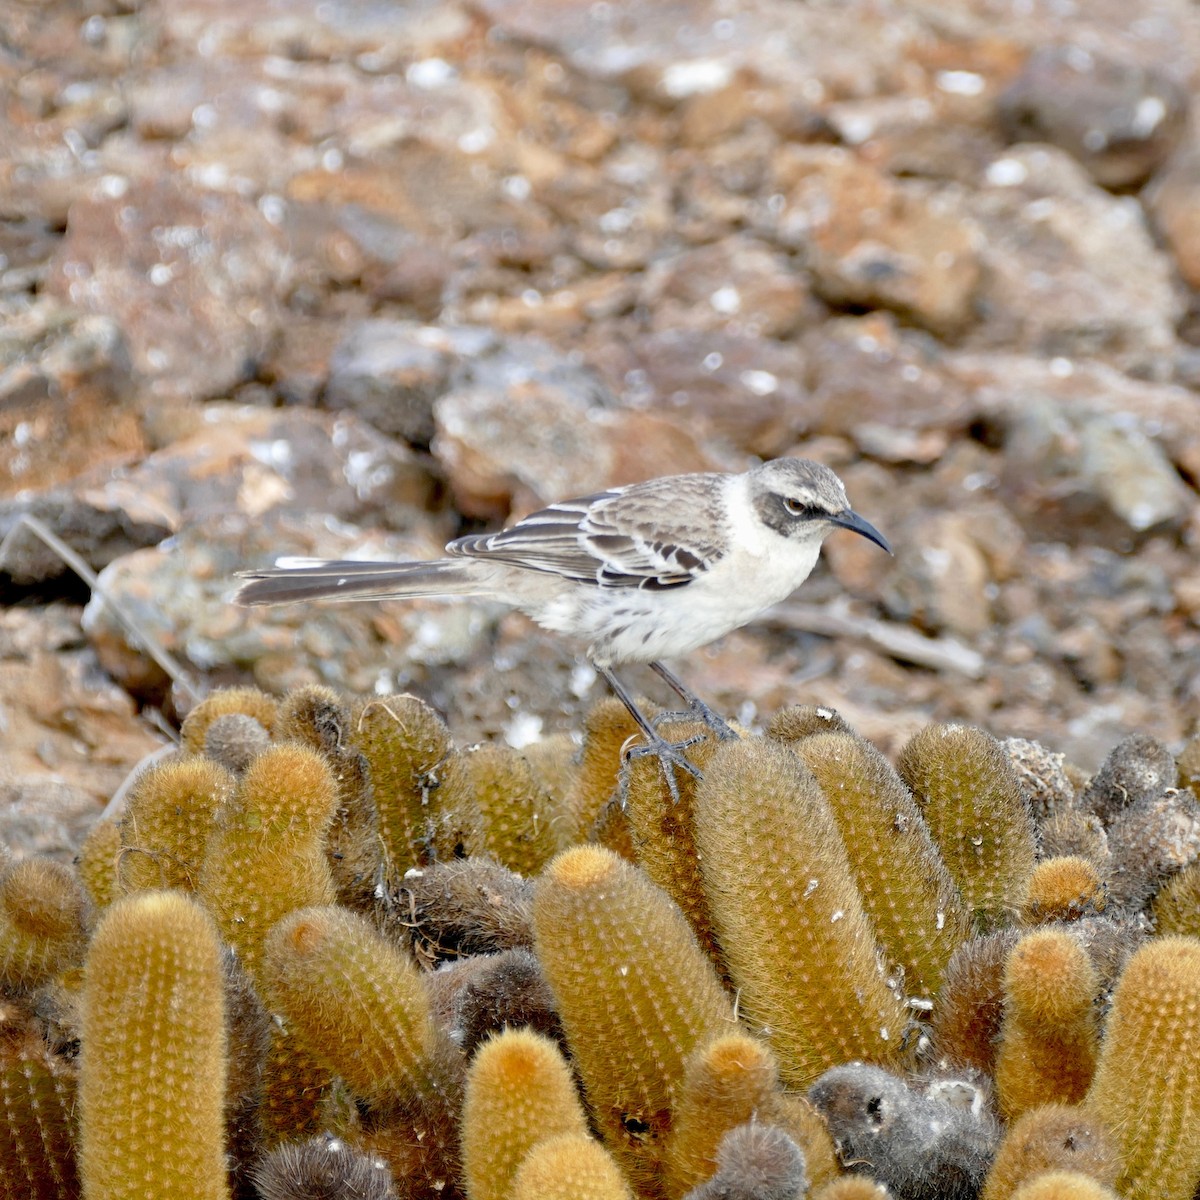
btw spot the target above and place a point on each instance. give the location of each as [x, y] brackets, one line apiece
[739, 283]
[193, 278]
[1118, 118]
[1069, 270]
[65, 402]
[1174, 204]
[70, 737]
[878, 242]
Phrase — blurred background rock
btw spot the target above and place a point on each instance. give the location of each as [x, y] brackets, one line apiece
[350, 277]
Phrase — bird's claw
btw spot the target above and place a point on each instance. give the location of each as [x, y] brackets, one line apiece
[697, 712]
[670, 755]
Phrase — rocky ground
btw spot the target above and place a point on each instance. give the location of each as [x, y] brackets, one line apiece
[349, 277]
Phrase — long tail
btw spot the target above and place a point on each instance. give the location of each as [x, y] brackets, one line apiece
[349, 580]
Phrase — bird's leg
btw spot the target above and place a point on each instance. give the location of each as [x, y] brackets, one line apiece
[696, 708]
[669, 754]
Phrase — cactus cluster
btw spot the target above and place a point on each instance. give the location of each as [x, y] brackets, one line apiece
[324, 951]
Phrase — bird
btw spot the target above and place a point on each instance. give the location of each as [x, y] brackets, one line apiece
[637, 573]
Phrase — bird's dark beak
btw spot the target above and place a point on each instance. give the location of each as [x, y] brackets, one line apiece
[851, 520]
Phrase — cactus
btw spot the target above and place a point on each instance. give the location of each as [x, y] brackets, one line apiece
[662, 830]
[37, 1103]
[246, 701]
[266, 856]
[1049, 1040]
[519, 1092]
[972, 801]
[1063, 1185]
[97, 863]
[1147, 1084]
[1176, 907]
[1064, 889]
[798, 944]
[319, 1168]
[930, 1145]
[1055, 1137]
[465, 906]
[152, 1081]
[906, 889]
[357, 1005]
[635, 991]
[728, 1082]
[967, 1015]
[168, 819]
[407, 746]
[755, 1162]
[42, 912]
[1137, 769]
[515, 811]
[570, 1166]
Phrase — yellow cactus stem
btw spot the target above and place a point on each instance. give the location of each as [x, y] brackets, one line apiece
[800, 721]
[97, 863]
[1147, 1085]
[662, 829]
[1063, 1185]
[515, 811]
[316, 717]
[520, 1091]
[246, 701]
[727, 1082]
[407, 746]
[298, 1091]
[906, 890]
[554, 763]
[1176, 906]
[972, 801]
[635, 991]
[37, 1113]
[42, 932]
[169, 817]
[789, 917]
[852, 1187]
[607, 727]
[357, 1004]
[570, 1166]
[153, 1059]
[266, 856]
[1054, 1137]
[1048, 1040]
[1064, 889]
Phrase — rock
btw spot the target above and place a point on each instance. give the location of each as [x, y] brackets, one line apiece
[193, 277]
[71, 735]
[876, 242]
[1120, 119]
[1068, 269]
[1173, 200]
[886, 389]
[180, 593]
[514, 452]
[65, 397]
[739, 284]
[390, 373]
[745, 391]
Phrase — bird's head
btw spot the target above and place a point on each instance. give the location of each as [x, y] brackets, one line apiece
[805, 501]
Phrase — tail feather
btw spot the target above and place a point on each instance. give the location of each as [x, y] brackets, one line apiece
[350, 580]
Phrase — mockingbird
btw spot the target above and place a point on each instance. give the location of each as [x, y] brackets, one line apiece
[638, 573]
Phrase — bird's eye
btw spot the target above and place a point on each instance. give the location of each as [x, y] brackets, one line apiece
[796, 507]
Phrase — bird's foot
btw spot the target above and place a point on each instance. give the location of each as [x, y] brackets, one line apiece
[698, 711]
[670, 756]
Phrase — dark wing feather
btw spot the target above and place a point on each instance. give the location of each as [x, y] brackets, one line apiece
[658, 534]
